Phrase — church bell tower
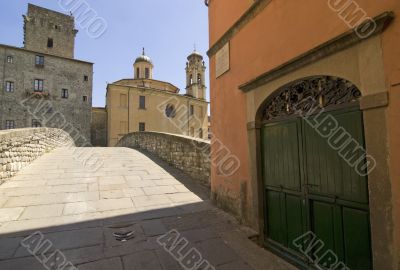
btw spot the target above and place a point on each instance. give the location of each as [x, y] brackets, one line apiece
[195, 76]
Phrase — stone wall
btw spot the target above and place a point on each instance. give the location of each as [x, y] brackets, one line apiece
[191, 155]
[19, 147]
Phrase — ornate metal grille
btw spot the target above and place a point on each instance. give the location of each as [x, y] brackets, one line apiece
[300, 96]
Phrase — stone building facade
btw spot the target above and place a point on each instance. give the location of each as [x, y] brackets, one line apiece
[42, 84]
[298, 75]
[146, 104]
[99, 127]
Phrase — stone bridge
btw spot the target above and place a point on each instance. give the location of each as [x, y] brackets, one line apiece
[106, 209]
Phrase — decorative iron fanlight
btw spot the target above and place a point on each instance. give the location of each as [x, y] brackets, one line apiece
[300, 96]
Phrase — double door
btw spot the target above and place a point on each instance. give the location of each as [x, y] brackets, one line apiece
[311, 188]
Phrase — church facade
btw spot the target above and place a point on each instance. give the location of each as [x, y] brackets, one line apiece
[142, 103]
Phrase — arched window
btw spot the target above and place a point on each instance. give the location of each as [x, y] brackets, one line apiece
[137, 73]
[191, 79]
[199, 79]
[147, 73]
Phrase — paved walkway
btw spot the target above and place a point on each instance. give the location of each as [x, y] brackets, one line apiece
[111, 219]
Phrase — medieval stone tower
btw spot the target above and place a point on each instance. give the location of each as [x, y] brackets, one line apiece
[45, 72]
[195, 76]
[49, 32]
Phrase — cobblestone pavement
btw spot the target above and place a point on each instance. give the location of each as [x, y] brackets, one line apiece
[83, 214]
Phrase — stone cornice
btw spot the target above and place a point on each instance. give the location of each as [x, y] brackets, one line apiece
[152, 90]
[252, 12]
[374, 101]
[330, 47]
[253, 125]
[44, 54]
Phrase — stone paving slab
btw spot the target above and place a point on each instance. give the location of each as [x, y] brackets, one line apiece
[42, 211]
[10, 214]
[107, 264]
[51, 199]
[85, 214]
[98, 206]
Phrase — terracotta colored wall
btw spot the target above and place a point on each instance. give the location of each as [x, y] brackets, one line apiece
[282, 31]
[224, 13]
[391, 56]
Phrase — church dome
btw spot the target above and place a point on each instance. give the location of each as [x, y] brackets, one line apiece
[143, 58]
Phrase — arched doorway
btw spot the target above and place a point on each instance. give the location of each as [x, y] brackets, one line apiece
[314, 174]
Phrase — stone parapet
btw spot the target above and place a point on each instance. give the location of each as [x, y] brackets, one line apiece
[19, 147]
[191, 155]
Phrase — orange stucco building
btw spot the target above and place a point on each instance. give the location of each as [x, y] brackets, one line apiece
[266, 56]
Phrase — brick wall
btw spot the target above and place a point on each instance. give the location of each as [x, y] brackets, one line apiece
[19, 147]
[188, 154]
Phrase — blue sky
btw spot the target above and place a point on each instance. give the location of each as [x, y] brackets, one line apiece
[168, 29]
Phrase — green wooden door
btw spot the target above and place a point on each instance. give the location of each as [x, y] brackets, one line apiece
[283, 172]
[310, 187]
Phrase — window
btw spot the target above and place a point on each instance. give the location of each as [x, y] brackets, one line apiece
[10, 59]
[36, 123]
[142, 127]
[86, 78]
[142, 102]
[200, 133]
[191, 79]
[10, 124]
[191, 109]
[199, 78]
[39, 60]
[137, 73]
[9, 86]
[64, 93]
[147, 73]
[85, 98]
[50, 43]
[123, 101]
[38, 85]
[170, 111]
